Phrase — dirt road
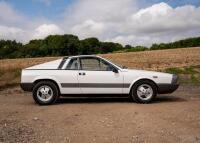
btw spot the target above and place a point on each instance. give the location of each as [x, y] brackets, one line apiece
[171, 118]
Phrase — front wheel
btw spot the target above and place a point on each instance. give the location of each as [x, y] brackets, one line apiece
[144, 91]
[45, 93]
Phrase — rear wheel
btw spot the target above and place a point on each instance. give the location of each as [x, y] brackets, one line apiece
[144, 91]
[45, 93]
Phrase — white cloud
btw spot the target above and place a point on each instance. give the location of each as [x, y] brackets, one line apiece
[8, 15]
[109, 20]
[14, 25]
[123, 22]
[160, 23]
[107, 13]
[100, 10]
[42, 31]
[10, 32]
[46, 29]
[163, 18]
[88, 28]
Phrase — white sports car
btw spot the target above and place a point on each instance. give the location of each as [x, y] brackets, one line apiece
[93, 75]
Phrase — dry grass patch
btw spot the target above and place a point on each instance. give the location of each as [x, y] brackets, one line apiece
[158, 60]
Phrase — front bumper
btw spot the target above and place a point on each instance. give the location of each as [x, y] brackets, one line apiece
[26, 86]
[167, 88]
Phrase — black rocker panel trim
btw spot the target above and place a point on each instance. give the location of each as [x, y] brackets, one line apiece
[95, 85]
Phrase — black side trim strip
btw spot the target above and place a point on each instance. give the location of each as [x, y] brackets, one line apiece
[95, 85]
[44, 69]
[126, 85]
[52, 69]
[71, 85]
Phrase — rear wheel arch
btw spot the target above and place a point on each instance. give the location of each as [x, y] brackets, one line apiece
[49, 80]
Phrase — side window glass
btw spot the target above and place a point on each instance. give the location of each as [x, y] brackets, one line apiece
[72, 65]
[105, 66]
[90, 64]
[95, 64]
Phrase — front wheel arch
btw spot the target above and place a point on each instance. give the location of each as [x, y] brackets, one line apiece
[137, 98]
[143, 79]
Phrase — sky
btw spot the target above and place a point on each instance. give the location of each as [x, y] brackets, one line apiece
[133, 22]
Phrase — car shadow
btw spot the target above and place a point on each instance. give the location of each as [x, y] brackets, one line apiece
[158, 99]
[64, 100]
[168, 98]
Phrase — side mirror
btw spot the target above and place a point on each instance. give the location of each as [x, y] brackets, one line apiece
[115, 70]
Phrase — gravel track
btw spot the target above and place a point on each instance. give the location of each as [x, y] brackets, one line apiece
[171, 118]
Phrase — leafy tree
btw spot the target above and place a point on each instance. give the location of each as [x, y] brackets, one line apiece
[90, 46]
[62, 45]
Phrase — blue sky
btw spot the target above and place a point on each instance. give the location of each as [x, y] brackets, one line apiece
[173, 3]
[53, 8]
[135, 22]
[45, 8]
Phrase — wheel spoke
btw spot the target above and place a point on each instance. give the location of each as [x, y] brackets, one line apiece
[148, 90]
[48, 95]
[142, 88]
[139, 92]
[43, 96]
[46, 90]
[42, 90]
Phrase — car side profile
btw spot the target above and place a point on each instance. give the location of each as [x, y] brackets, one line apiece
[93, 75]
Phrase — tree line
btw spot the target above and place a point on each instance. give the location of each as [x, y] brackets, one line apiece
[65, 45]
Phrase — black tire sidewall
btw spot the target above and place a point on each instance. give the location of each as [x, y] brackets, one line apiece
[52, 86]
[134, 91]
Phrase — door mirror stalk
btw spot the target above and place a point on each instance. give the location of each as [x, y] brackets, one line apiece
[115, 70]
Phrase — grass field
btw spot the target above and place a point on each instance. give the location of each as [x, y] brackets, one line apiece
[178, 61]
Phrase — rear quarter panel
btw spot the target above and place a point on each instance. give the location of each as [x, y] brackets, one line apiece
[59, 76]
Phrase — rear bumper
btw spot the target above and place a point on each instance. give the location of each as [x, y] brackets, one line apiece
[167, 88]
[26, 86]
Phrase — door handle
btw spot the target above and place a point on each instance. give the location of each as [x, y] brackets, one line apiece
[81, 73]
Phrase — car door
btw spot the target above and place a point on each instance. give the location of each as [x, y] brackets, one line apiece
[96, 76]
[68, 77]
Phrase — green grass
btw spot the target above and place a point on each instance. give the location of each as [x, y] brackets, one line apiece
[195, 79]
[185, 70]
[188, 75]
[174, 70]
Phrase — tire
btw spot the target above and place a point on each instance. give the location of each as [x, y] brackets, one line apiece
[45, 93]
[143, 91]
